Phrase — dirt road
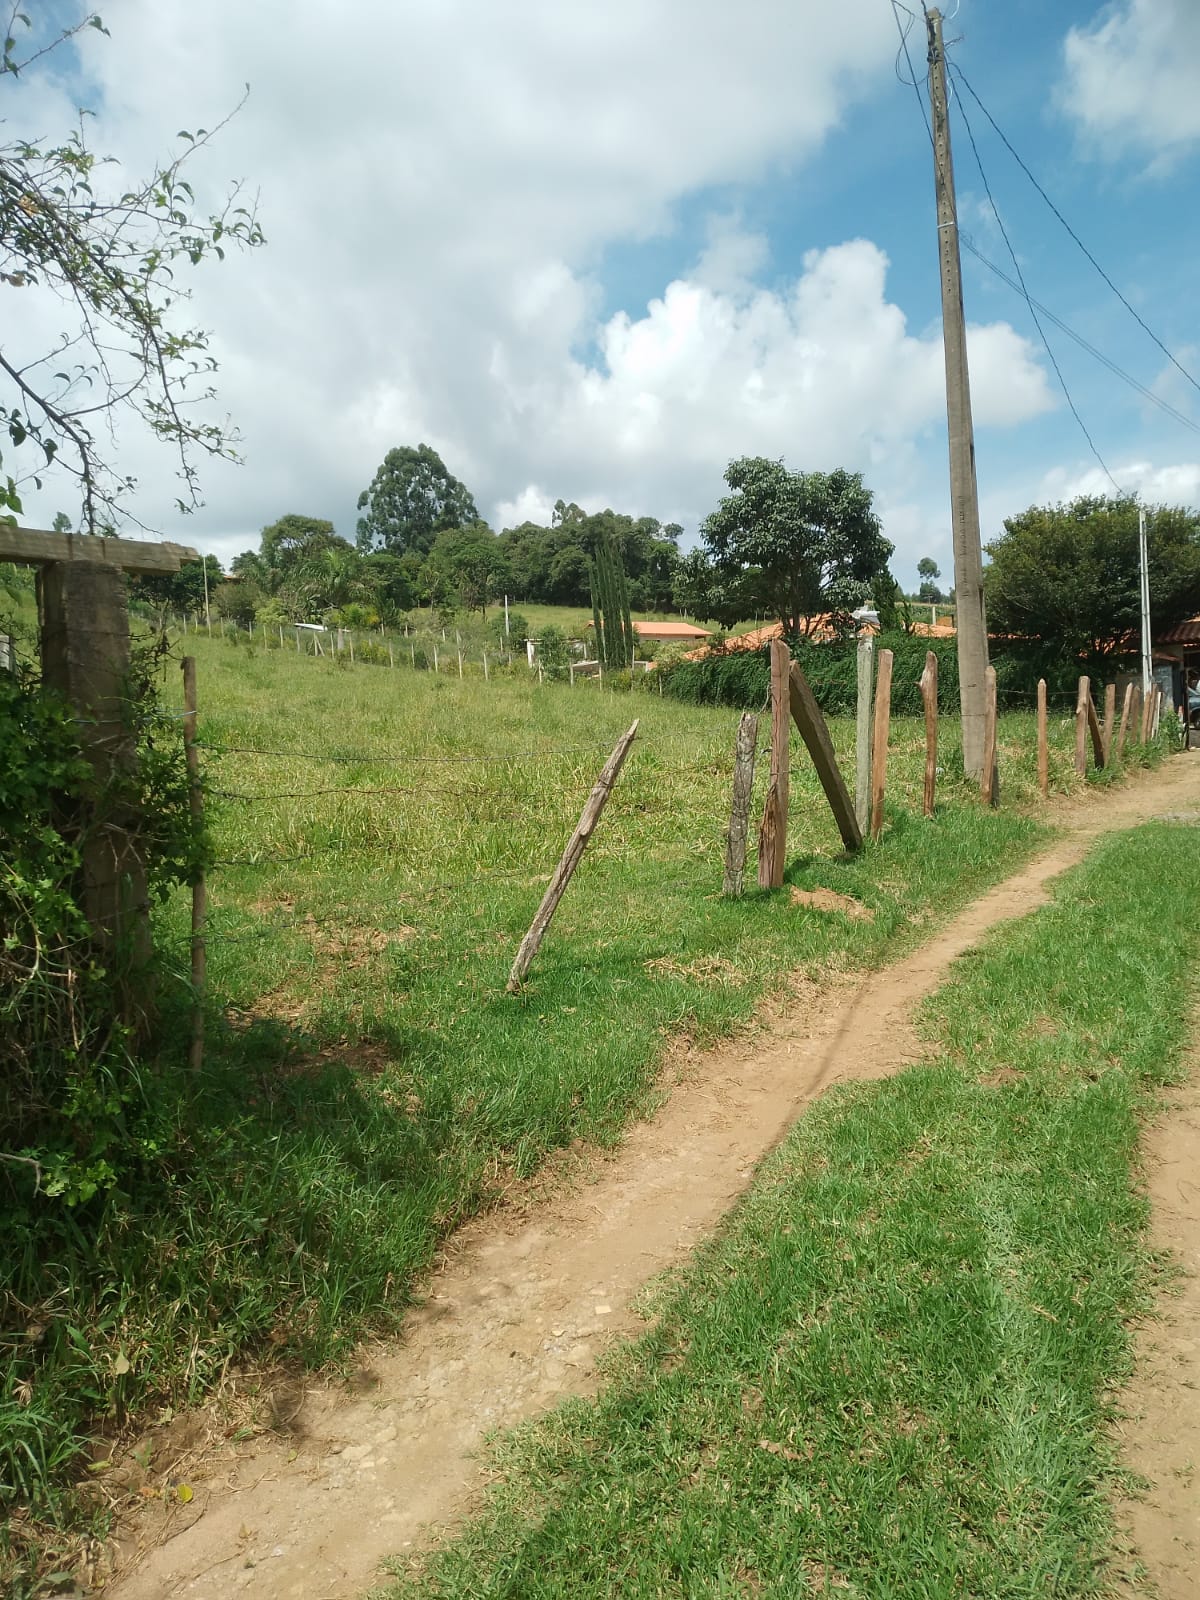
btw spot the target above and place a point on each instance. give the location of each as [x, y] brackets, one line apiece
[516, 1319]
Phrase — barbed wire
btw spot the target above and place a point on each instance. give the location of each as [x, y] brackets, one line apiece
[370, 759]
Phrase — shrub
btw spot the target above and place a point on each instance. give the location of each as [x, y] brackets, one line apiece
[741, 678]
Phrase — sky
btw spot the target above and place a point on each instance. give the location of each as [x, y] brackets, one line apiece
[595, 251]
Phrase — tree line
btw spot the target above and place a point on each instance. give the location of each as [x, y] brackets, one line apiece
[782, 545]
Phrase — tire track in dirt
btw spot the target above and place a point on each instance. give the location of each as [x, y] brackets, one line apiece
[515, 1320]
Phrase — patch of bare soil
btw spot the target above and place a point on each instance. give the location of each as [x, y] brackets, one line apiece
[522, 1305]
[1161, 1432]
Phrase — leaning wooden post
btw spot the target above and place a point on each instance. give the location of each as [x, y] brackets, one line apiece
[929, 698]
[879, 741]
[1096, 731]
[865, 668]
[199, 888]
[739, 811]
[1081, 726]
[570, 859]
[772, 835]
[1109, 726]
[1157, 711]
[1123, 730]
[989, 789]
[806, 714]
[1135, 714]
[1043, 741]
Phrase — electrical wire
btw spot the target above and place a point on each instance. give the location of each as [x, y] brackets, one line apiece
[1005, 141]
[904, 32]
[1147, 394]
[1029, 302]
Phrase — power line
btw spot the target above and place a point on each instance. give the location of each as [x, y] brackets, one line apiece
[1147, 394]
[958, 72]
[912, 76]
[1029, 302]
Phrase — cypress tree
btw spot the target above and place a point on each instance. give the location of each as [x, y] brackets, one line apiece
[597, 623]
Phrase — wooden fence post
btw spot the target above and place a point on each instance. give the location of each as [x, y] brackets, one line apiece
[989, 789]
[1043, 741]
[739, 811]
[1082, 698]
[1123, 730]
[199, 888]
[1109, 726]
[879, 743]
[1096, 731]
[570, 859]
[865, 666]
[1135, 715]
[772, 835]
[806, 714]
[929, 697]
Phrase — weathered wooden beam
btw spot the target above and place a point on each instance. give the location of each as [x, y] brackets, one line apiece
[85, 656]
[990, 788]
[570, 859]
[1097, 732]
[879, 739]
[39, 547]
[772, 834]
[806, 714]
[929, 695]
[1043, 741]
[739, 814]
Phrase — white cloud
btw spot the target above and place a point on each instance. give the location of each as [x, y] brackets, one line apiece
[1131, 75]
[1176, 484]
[440, 181]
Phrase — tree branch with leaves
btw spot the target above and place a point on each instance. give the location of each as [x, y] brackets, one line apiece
[110, 255]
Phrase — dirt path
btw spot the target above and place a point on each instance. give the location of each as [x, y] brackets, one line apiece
[1162, 1404]
[516, 1319]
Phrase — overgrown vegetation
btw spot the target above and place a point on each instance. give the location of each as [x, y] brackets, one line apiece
[367, 1082]
[893, 1372]
[742, 678]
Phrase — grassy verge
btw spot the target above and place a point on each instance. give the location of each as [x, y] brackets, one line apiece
[891, 1375]
[367, 1082]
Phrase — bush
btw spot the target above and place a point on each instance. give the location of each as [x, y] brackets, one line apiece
[552, 652]
[741, 678]
[518, 630]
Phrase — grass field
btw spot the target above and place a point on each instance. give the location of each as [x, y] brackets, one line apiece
[892, 1374]
[383, 838]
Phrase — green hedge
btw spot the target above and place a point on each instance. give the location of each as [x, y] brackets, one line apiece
[741, 678]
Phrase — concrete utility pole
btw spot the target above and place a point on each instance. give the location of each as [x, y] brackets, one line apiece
[1144, 574]
[964, 493]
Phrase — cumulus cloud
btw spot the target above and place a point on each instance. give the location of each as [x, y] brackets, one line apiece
[439, 184]
[1130, 76]
[1175, 484]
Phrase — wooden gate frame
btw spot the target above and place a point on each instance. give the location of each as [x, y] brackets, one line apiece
[84, 623]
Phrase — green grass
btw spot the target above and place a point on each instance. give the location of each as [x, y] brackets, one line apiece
[367, 1082]
[891, 1375]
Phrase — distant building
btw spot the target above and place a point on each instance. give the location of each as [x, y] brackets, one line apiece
[669, 632]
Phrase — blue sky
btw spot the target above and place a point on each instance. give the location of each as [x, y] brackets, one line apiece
[595, 251]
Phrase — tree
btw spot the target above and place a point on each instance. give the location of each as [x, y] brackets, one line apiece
[108, 255]
[412, 498]
[467, 564]
[1067, 575]
[793, 545]
[929, 572]
[181, 591]
[613, 625]
[294, 539]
